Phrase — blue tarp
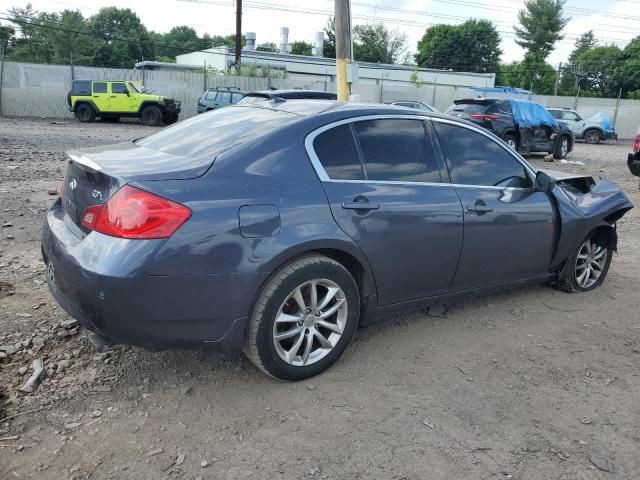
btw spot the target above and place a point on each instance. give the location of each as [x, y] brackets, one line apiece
[605, 123]
[530, 114]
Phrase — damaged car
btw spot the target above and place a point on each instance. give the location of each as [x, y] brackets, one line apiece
[277, 229]
[525, 126]
[633, 160]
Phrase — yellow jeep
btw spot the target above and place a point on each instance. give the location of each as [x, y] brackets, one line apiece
[110, 100]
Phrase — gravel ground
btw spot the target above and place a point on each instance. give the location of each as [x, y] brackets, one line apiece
[529, 384]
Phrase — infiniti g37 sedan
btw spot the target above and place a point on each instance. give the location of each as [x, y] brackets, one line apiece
[279, 228]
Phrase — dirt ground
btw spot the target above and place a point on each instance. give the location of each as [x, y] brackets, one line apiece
[529, 384]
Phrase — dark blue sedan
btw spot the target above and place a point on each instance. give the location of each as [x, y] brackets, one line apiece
[278, 228]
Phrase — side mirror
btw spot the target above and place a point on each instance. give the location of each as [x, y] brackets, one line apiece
[544, 183]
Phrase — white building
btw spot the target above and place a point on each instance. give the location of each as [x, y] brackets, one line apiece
[318, 68]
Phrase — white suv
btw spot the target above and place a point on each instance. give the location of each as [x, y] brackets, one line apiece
[592, 130]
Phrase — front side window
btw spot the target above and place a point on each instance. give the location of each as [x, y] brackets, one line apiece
[119, 88]
[338, 154]
[99, 87]
[569, 116]
[397, 150]
[474, 159]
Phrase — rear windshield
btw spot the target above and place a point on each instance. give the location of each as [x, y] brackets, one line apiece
[468, 108]
[211, 133]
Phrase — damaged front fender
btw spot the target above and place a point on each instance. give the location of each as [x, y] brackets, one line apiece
[585, 205]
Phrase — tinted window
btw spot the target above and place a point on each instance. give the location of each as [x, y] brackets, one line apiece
[405, 104]
[119, 88]
[224, 97]
[211, 95]
[499, 107]
[397, 150]
[207, 135]
[474, 159]
[555, 114]
[82, 88]
[99, 87]
[338, 154]
[235, 97]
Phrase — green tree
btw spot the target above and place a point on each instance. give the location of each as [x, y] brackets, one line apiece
[530, 74]
[123, 39]
[569, 74]
[473, 46]
[374, 43]
[600, 70]
[329, 47]
[541, 26]
[6, 33]
[70, 40]
[267, 47]
[33, 43]
[629, 70]
[301, 48]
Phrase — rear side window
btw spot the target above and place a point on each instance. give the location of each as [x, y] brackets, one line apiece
[224, 98]
[556, 114]
[99, 87]
[397, 150]
[82, 88]
[338, 154]
[474, 159]
[119, 88]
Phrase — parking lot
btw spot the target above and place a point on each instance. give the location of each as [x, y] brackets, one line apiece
[531, 383]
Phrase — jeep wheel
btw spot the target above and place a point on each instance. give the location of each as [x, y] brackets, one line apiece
[171, 118]
[151, 116]
[85, 113]
[592, 136]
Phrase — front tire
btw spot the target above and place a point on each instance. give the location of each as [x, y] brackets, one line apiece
[592, 136]
[304, 318]
[151, 116]
[587, 268]
[561, 148]
[85, 113]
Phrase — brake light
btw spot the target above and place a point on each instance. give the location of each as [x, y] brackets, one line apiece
[135, 213]
[636, 144]
[484, 116]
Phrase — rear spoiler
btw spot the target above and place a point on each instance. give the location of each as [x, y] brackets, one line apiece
[473, 101]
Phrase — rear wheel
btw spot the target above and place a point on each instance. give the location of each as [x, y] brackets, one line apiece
[561, 147]
[304, 318]
[151, 116]
[592, 136]
[587, 268]
[512, 141]
[85, 113]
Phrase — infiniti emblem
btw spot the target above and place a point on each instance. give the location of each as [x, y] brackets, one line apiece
[73, 184]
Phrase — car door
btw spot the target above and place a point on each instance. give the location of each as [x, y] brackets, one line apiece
[383, 181]
[223, 99]
[574, 121]
[99, 95]
[119, 99]
[509, 227]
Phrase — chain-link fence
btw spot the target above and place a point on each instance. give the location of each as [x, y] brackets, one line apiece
[37, 90]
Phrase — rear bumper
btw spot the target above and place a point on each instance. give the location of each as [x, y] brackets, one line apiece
[100, 281]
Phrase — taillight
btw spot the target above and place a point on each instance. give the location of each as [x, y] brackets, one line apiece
[134, 213]
[636, 144]
[484, 116]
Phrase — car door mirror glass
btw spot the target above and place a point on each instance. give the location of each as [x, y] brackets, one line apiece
[544, 183]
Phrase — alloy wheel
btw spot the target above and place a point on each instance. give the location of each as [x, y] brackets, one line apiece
[590, 263]
[310, 322]
[564, 147]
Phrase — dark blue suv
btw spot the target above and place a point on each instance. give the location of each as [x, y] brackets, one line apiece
[278, 228]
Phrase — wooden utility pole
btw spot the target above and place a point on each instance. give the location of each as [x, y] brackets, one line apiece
[343, 47]
[238, 32]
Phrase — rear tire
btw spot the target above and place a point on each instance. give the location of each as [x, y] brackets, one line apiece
[561, 148]
[151, 116]
[512, 141]
[592, 136]
[586, 269]
[312, 330]
[85, 113]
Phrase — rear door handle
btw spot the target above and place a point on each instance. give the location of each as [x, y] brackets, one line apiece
[360, 205]
[479, 208]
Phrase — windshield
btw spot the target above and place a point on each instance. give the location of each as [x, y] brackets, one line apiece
[138, 87]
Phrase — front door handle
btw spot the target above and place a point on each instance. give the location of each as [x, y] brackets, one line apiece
[360, 205]
[479, 208]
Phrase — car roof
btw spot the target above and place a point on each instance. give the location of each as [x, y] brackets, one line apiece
[299, 93]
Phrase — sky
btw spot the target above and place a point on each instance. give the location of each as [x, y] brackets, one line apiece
[613, 21]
